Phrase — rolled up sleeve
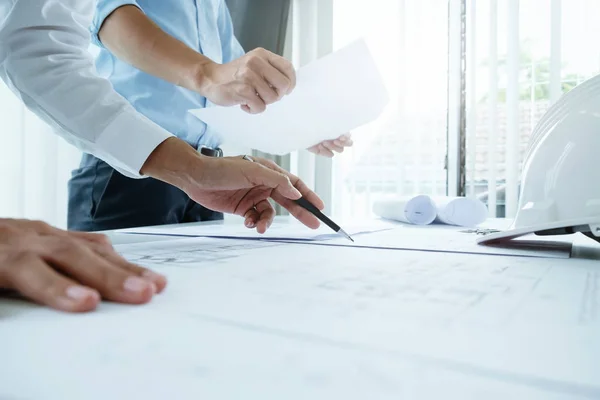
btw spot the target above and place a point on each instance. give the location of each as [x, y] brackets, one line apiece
[52, 72]
[103, 9]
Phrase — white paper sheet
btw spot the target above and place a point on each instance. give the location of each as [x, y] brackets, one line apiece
[450, 239]
[317, 322]
[334, 95]
[290, 231]
[377, 234]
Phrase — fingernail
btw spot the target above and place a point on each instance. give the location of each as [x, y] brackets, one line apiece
[248, 223]
[135, 284]
[80, 293]
[297, 193]
[153, 277]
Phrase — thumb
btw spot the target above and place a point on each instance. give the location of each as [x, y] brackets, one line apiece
[261, 175]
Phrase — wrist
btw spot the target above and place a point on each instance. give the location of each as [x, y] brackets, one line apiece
[176, 163]
[199, 75]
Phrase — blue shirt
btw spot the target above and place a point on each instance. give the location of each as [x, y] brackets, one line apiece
[203, 25]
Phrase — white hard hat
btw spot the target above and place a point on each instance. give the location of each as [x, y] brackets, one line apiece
[560, 185]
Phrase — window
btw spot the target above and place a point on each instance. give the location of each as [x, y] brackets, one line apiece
[541, 50]
[520, 57]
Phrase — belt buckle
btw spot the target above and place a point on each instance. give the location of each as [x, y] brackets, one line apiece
[210, 152]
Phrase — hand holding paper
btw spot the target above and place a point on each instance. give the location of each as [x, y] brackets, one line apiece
[253, 81]
[333, 95]
[328, 148]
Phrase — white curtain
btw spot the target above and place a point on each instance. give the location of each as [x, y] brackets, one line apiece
[35, 165]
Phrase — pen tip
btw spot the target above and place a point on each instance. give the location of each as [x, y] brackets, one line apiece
[346, 235]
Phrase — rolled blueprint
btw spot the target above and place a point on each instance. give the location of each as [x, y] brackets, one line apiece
[417, 210]
[461, 211]
[424, 210]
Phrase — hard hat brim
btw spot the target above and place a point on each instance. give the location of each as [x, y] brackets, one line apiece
[501, 236]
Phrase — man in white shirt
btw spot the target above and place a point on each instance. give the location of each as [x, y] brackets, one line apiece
[44, 60]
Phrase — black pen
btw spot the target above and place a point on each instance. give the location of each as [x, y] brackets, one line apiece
[308, 206]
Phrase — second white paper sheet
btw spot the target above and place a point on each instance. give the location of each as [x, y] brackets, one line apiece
[333, 95]
[288, 231]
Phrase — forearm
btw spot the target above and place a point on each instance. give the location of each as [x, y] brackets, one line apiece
[132, 37]
[177, 163]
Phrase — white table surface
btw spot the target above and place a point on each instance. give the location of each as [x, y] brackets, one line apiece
[247, 330]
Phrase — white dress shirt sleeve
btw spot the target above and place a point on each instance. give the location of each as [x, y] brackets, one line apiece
[44, 59]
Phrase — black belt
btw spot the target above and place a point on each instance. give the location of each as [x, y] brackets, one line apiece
[210, 152]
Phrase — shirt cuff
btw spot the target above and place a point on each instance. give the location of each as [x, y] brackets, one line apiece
[103, 9]
[128, 141]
